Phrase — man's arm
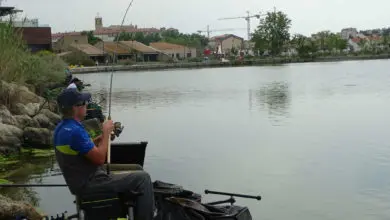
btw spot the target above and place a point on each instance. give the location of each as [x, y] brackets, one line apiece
[97, 155]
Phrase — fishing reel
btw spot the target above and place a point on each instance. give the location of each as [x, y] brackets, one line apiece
[118, 128]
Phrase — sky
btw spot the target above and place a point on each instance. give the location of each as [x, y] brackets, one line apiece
[308, 16]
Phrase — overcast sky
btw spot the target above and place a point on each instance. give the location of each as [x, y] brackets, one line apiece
[307, 16]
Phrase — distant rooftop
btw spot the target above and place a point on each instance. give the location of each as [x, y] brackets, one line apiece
[223, 37]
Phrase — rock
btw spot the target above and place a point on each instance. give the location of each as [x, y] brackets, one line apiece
[26, 121]
[18, 93]
[53, 117]
[10, 138]
[10, 209]
[37, 137]
[44, 121]
[6, 117]
[29, 109]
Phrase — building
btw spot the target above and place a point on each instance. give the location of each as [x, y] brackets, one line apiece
[55, 37]
[144, 52]
[98, 22]
[226, 43]
[63, 43]
[36, 38]
[109, 33]
[175, 50]
[115, 51]
[92, 52]
[348, 33]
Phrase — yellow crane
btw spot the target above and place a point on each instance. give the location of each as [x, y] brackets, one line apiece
[248, 21]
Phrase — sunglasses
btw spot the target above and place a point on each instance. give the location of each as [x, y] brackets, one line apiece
[81, 104]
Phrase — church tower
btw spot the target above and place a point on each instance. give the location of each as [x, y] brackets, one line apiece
[98, 22]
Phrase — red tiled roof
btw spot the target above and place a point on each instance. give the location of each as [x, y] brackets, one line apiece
[371, 38]
[139, 46]
[167, 46]
[224, 36]
[113, 47]
[115, 30]
[59, 35]
[88, 49]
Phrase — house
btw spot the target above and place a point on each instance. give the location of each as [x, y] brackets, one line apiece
[55, 37]
[348, 33]
[36, 38]
[115, 50]
[109, 33]
[92, 52]
[175, 50]
[226, 43]
[144, 52]
[63, 43]
[372, 42]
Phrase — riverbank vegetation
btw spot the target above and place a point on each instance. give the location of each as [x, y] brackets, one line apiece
[29, 83]
[273, 38]
[169, 36]
[19, 65]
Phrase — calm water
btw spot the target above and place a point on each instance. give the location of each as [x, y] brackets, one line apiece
[311, 139]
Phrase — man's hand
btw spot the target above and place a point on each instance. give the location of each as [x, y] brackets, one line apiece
[97, 140]
[108, 127]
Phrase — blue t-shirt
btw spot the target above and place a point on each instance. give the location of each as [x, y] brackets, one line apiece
[71, 133]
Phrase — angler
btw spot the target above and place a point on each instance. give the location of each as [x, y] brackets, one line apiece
[81, 159]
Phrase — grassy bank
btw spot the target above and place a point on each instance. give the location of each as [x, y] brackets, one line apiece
[19, 65]
[37, 71]
[216, 63]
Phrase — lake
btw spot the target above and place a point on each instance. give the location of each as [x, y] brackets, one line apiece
[311, 139]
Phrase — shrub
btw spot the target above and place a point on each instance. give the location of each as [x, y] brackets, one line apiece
[78, 58]
[19, 65]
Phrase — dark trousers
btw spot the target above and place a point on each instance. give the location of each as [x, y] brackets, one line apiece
[135, 181]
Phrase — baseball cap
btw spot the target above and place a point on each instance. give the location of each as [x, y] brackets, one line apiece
[71, 97]
[75, 80]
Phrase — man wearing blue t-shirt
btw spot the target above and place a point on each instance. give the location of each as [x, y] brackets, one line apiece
[81, 160]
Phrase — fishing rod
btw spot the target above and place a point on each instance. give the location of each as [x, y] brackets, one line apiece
[232, 194]
[110, 94]
[32, 185]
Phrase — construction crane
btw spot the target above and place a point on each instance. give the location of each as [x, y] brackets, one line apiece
[208, 31]
[248, 21]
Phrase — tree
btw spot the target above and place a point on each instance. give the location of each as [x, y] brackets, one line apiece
[335, 42]
[305, 46]
[273, 32]
[321, 37]
[91, 37]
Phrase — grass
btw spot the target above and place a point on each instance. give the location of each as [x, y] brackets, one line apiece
[19, 65]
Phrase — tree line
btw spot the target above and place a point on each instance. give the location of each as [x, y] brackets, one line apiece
[169, 36]
[273, 36]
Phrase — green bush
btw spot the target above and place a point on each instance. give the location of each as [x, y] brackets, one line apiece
[78, 58]
[195, 59]
[19, 65]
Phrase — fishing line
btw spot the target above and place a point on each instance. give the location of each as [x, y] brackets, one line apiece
[111, 77]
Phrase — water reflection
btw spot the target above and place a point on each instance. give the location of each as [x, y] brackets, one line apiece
[274, 97]
[29, 171]
[165, 97]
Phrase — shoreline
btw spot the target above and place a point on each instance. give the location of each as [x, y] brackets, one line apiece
[217, 64]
